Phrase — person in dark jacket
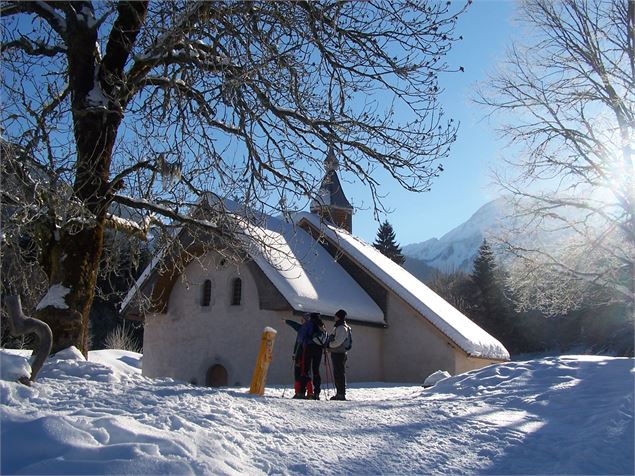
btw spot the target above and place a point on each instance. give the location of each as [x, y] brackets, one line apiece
[337, 347]
[301, 371]
[313, 353]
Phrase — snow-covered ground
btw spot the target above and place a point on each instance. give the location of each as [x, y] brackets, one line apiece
[558, 415]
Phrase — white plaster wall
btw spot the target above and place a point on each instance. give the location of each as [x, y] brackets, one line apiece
[190, 338]
[413, 347]
[465, 363]
[184, 343]
[364, 362]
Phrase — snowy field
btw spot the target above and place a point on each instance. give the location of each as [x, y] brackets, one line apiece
[560, 415]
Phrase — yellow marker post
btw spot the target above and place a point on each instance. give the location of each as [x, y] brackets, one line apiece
[264, 359]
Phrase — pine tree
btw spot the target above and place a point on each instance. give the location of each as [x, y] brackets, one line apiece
[484, 275]
[490, 307]
[385, 242]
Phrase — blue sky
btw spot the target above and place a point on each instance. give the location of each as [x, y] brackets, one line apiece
[465, 185]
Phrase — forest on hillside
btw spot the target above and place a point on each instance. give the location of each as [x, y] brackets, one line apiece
[487, 296]
[599, 323]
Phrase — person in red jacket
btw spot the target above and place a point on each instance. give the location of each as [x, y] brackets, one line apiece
[303, 385]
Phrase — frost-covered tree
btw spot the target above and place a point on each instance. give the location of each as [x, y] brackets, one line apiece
[568, 98]
[150, 105]
[455, 287]
[386, 242]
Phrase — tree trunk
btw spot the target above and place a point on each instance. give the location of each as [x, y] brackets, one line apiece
[74, 265]
[73, 257]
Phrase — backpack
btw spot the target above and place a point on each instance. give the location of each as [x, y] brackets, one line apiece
[348, 343]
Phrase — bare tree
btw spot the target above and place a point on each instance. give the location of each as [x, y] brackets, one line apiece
[568, 99]
[149, 105]
[454, 287]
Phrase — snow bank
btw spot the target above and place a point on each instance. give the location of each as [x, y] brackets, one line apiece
[558, 415]
[14, 364]
[435, 378]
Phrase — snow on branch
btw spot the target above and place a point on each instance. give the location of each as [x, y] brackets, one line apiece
[51, 16]
[130, 227]
[141, 204]
[55, 297]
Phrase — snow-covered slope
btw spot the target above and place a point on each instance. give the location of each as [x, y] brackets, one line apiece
[457, 249]
[565, 415]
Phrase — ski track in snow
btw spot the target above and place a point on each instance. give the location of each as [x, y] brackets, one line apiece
[515, 418]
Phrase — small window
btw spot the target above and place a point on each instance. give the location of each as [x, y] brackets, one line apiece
[237, 291]
[207, 293]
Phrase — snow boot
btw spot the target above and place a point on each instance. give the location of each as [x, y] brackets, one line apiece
[304, 388]
[299, 392]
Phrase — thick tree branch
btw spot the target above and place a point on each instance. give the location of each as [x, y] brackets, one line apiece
[33, 48]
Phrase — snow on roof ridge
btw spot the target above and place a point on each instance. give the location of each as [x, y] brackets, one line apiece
[475, 341]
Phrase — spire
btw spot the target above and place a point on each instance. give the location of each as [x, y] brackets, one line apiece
[331, 203]
[331, 162]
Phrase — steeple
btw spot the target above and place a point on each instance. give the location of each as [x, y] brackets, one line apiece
[331, 203]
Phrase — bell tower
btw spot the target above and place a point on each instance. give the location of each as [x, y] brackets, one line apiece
[331, 204]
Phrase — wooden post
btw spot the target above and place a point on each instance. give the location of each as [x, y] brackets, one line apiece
[264, 359]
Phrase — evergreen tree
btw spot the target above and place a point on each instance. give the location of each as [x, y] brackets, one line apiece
[484, 277]
[385, 242]
[489, 306]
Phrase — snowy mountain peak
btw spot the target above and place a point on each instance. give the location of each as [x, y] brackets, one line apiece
[457, 249]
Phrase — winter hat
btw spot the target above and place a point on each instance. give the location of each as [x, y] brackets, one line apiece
[341, 314]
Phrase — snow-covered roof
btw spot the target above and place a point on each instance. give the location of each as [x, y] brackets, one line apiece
[305, 273]
[308, 277]
[445, 317]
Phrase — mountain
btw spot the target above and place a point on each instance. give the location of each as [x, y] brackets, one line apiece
[456, 250]
[418, 268]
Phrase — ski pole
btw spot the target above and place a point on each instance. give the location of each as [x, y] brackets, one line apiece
[284, 388]
[329, 370]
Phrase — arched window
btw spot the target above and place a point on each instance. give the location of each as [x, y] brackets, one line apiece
[207, 293]
[237, 291]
